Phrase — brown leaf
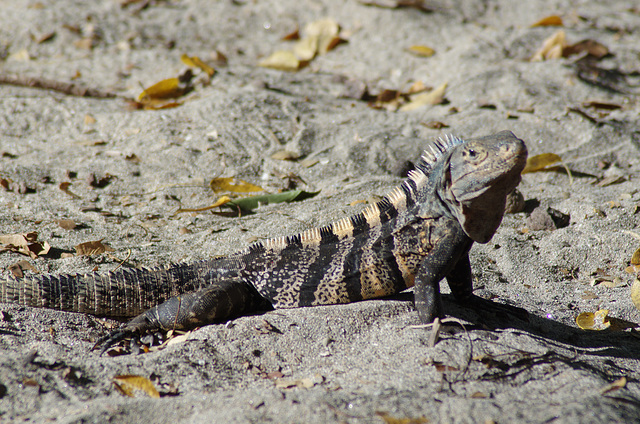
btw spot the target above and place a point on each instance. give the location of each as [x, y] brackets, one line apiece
[67, 224]
[293, 35]
[17, 268]
[435, 125]
[25, 244]
[592, 47]
[133, 385]
[553, 20]
[65, 187]
[92, 248]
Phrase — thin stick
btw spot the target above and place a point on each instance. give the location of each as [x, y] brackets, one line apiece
[59, 86]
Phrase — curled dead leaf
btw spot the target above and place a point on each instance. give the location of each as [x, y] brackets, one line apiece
[551, 47]
[553, 20]
[540, 162]
[25, 244]
[283, 60]
[92, 248]
[221, 201]
[635, 294]
[433, 97]
[233, 185]
[593, 321]
[616, 385]
[133, 385]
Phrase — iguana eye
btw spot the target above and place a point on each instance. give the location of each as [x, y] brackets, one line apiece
[472, 153]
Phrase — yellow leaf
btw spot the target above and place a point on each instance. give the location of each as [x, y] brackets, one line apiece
[130, 384]
[553, 20]
[635, 294]
[234, 185]
[196, 62]
[618, 384]
[221, 201]
[540, 162]
[282, 60]
[432, 97]
[551, 48]
[422, 51]
[593, 321]
[635, 258]
[165, 89]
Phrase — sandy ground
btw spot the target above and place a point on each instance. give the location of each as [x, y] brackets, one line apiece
[356, 363]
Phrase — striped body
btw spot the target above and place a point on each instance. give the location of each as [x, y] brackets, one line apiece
[417, 235]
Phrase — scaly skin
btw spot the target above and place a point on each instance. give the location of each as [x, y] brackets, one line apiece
[417, 235]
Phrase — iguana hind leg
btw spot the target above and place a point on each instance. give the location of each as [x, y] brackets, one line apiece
[214, 303]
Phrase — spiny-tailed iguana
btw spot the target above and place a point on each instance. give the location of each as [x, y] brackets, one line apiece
[416, 236]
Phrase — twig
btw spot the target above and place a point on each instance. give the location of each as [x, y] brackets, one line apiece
[59, 86]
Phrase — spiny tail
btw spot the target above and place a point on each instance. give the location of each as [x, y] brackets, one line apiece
[123, 293]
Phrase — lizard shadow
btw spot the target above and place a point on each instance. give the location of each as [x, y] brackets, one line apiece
[486, 314]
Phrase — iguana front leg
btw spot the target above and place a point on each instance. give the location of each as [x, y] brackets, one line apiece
[449, 257]
[214, 303]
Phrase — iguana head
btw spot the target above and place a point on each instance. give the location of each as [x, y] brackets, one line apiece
[481, 173]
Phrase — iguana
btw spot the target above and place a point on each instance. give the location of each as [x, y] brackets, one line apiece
[417, 235]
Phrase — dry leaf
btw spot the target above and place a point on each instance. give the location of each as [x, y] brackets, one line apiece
[67, 224]
[17, 268]
[293, 35]
[285, 155]
[592, 47]
[304, 383]
[132, 385]
[540, 162]
[388, 419]
[433, 97]
[553, 20]
[196, 62]
[397, 4]
[422, 51]
[169, 88]
[282, 60]
[635, 294]
[221, 201]
[551, 48]
[325, 32]
[306, 49]
[233, 185]
[92, 248]
[25, 244]
[618, 384]
[593, 321]
[65, 187]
